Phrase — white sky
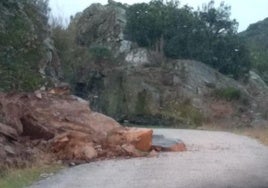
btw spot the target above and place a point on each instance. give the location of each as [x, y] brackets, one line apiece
[244, 11]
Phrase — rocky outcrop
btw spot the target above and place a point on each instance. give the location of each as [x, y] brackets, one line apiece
[141, 138]
[137, 57]
[139, 86]
[256, 38]
[101, 25]
[180, 93]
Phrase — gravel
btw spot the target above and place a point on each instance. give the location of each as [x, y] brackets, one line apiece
[213, 160]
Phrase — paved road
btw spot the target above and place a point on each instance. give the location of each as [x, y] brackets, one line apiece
[213, 160]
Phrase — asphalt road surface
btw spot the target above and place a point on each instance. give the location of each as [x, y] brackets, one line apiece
[213, 160]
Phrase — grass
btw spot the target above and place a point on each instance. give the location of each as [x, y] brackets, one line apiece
[228, 93]
[184, 112]
[260, 134]
[19, 178]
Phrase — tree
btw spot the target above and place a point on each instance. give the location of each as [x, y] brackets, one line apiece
[23, 27]
[207, 35]
[225, 49]
[147, 23]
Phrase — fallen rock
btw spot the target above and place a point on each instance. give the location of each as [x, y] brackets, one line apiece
[10, 150]
[160, 143]
[68, 128]
[13, 154]
[52, 115]
[74, 145]
[153, 153]
[140, 138]
[132, 151]
[8, 131]
[65, 127]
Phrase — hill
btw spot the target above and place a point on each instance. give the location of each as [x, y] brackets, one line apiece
[137, 84]
[256, 37]
[137, 80]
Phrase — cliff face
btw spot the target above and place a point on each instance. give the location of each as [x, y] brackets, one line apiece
[139, 86]
[101, 25]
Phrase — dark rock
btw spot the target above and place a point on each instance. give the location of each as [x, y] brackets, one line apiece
[160, 143]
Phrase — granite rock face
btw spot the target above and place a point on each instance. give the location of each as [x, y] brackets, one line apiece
[102, 25]
[139, 86]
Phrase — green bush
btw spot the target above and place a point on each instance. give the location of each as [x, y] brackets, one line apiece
[23, 27]
[208, 34]
[100, 53]
[184, 112]
[228, 93]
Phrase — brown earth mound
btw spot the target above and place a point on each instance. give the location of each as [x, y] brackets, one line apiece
[64, 127]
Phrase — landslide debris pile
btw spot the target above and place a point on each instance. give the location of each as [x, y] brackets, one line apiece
[63, 127]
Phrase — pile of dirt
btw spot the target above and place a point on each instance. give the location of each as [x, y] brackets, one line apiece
[64, 127]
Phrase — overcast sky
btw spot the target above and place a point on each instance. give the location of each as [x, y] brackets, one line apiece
[244, 11]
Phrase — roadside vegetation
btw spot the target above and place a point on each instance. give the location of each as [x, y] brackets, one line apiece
[228, 94]
[21, 43]
[20, 178]
[256, 37]
[260, 134]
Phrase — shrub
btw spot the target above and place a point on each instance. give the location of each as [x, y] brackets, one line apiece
[100, 53]
[228, 93]
[184, 112]
[23, 27]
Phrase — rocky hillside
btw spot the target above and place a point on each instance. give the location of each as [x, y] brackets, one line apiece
[133, 84]
[137, 85]
[130, 83]
[257, 40]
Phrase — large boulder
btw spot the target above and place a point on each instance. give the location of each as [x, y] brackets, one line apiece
[70, 129]
[141, 138]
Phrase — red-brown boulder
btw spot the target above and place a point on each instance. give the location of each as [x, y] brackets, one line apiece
[72, 131]
[74, 145]
[140, 138]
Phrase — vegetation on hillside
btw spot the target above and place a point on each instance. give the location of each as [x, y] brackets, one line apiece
[23, 26]
[207, 35]
[256, 37]
[228, 93]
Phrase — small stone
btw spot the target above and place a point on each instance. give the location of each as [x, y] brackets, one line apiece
[72, 164]
[46, 175]
[153, 153]
[10, 150]
[38, 94]
[90, 152]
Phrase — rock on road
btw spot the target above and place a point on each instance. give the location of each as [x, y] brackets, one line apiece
[213, 160]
